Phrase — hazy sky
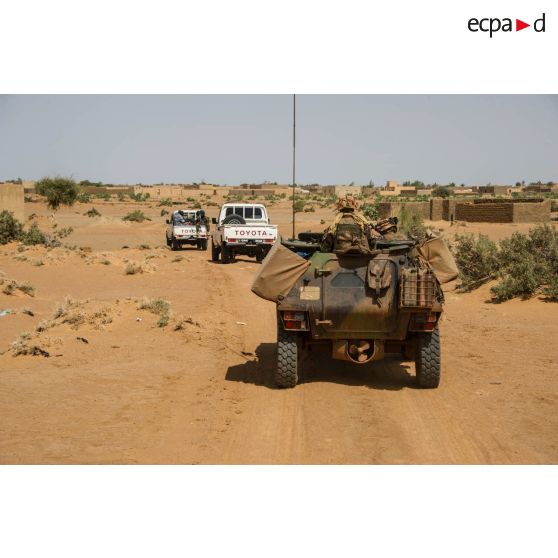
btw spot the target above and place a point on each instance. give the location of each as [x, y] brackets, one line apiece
[229, 139]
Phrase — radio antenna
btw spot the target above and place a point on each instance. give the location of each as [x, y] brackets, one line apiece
[294, 161]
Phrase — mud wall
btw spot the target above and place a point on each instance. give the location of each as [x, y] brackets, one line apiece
[391, 209]
[11, 199]
[484, 213]
[532, 212]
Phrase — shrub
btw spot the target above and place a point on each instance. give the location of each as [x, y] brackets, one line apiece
[92, 213]
[103, 196]
[298, 206]
[165, 202]
[157, 306]
[34, 236]
[164, 212]
[411, 224]
[441, 192]
[10, 228]
[83, 197]
[372, 211]
[137, 216]
[120, 196]
[476, 258]
[133, 268]
[57, 191]
[139, 197]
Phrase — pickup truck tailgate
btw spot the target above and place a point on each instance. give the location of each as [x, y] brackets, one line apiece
[189, 231]
[250, 233]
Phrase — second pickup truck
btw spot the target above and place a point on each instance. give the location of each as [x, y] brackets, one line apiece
[242, 229]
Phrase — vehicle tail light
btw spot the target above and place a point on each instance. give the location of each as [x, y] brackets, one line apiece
[269, 240]
[231, 240]
[295, 320]
[424, 322]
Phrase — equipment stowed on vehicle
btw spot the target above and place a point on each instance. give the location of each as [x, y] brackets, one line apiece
[242, 228]
[359, 293]
[187, 226]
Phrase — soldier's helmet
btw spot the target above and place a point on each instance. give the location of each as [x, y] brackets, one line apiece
[347, 204]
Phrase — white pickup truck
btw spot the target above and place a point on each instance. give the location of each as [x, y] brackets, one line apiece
[242, 228]
[184, 227]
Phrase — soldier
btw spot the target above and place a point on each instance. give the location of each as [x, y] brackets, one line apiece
[348, 232]
[201, 219]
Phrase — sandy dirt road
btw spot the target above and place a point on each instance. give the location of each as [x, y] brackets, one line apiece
[138, 393]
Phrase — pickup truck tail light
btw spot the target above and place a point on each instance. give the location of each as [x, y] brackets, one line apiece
[295, 320]
[231, 240]
[269, 241]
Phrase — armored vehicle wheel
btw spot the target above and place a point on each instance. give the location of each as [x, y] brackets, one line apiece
[214, 252]
[286, 373]
[174, 244]
[226, 255]
[427, 359]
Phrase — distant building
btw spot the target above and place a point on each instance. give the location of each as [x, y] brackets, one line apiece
[393, 188]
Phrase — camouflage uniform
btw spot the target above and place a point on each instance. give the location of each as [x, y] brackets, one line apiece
[348, 232]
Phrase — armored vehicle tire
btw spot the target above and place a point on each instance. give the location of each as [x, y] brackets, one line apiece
[174, 244]
[234, 219]
[226, 254]
[286, 373]
[427, 359]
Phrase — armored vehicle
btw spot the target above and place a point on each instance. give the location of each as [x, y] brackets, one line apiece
[362, 302]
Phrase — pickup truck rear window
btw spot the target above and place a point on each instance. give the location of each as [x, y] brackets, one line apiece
[257, 213]
[248, 213]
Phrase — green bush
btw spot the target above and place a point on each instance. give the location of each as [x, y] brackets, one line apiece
[83, 197]
[524, 264]
[139, 197]
[137, 216]
[372, 211]
[165, 202]
[476, 258]
[411, 224]
[10, 228]
[121, 196]
[298, 206]
[92, 213]
[34, 236]
[441, 192]
[103, 196]
[57, 191]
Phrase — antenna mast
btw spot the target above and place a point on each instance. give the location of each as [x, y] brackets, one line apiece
[294, 160]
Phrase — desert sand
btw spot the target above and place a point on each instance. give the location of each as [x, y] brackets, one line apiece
[116, 388]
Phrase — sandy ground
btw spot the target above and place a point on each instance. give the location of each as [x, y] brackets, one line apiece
[133, 392]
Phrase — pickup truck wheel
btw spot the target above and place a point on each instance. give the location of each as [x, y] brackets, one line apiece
[174, 244]
[214, 252]
[260, 256]
[427, 359]
[226, 255]
[203, 245]
[286, 373]
[168, 241]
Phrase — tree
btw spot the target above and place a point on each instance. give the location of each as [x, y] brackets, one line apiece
[441, 192]
[57, 191]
